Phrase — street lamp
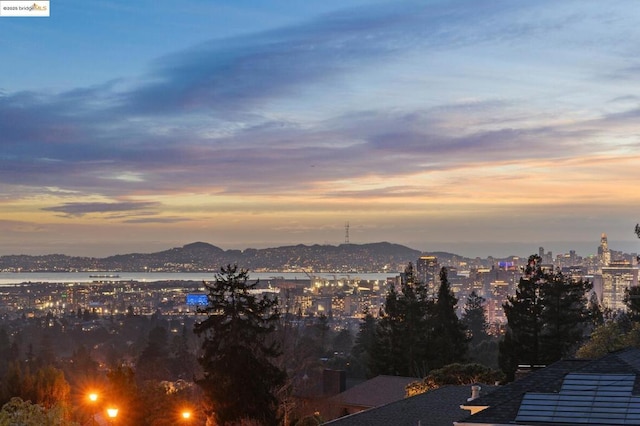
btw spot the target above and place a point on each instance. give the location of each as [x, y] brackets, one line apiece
[112, 413]
[186, 415]
[93, 398]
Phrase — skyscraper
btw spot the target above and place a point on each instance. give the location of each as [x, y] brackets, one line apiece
[427, 269]
[604, 255]
[616, 278]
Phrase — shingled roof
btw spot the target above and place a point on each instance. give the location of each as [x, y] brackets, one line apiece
[377, 391]
[439, 407]
[504, 403]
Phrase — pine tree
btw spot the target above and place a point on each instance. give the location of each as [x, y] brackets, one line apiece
[547, 318]
[475, 319]
[240, 378]
[632, 301]
[521, 343]
[449, 343]
[565, 315]
[595, 311]
[153, 362]
[363, 348]
[402, 333]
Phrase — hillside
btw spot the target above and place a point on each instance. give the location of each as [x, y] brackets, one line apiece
[201, 256]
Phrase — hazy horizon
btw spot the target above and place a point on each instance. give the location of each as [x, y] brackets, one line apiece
[473, 250]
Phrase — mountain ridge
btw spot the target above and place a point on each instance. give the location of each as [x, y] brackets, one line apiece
[203, 256]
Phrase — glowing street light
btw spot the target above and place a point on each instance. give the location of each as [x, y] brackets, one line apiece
[186, 415]
[93, 398]
[112, 413]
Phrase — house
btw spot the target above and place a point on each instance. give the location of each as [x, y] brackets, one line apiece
[380, 390]
[605, 391]
[438, 407]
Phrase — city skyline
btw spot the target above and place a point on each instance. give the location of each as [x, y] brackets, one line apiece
[481, 128]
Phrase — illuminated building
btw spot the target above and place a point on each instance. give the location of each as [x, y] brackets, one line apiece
[427, 270]
[616, 278]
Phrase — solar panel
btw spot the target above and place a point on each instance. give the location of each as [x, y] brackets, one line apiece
[585, 399]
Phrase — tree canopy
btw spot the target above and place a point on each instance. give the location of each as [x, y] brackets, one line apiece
[402, 332]
[240, 378]
[546, 317]
[455, 374]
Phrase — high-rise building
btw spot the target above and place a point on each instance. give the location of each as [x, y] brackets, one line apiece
[427, 270]
[616, 278]
[604, 255]
[500, 290]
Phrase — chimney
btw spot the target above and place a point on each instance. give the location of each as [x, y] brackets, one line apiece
[475, 392]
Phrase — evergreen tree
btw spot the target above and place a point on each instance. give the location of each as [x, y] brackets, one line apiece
[240, 378]
[46, 355]
[547, 318]
[483, 348]
[402, 332]
[632, 301]
[184, 363]
[449, 342]
[153, 363]
[474, 319]
[387, 355]
[321, 331]
[565, 315]
[5, 351]
[595, 311]
[343, 342]
[364, 345]
[521, 343]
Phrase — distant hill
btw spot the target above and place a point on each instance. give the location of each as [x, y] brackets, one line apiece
[201, 256]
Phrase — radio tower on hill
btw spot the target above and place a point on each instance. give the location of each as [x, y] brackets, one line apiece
[346, 233]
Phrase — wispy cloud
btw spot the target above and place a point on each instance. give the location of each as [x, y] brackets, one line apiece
[81, 209]
[390, 102]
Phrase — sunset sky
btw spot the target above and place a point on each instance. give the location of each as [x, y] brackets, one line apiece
[475, 127]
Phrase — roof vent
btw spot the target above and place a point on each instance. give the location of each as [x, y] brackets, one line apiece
[475, 392]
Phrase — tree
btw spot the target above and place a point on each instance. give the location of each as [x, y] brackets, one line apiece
[123, 389]
[483, 348]
[449, 342]
[5, 351]
[402, 333]
[455, 374]
[609, 337]
[25, 413]
[364, 345]
[153, 363]
[632, 301]
[474, 319]
[343, 342]
[240, 378]
[606, 338]
[595, 310]
[547, 318]
[565, 315]
[521, 343]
